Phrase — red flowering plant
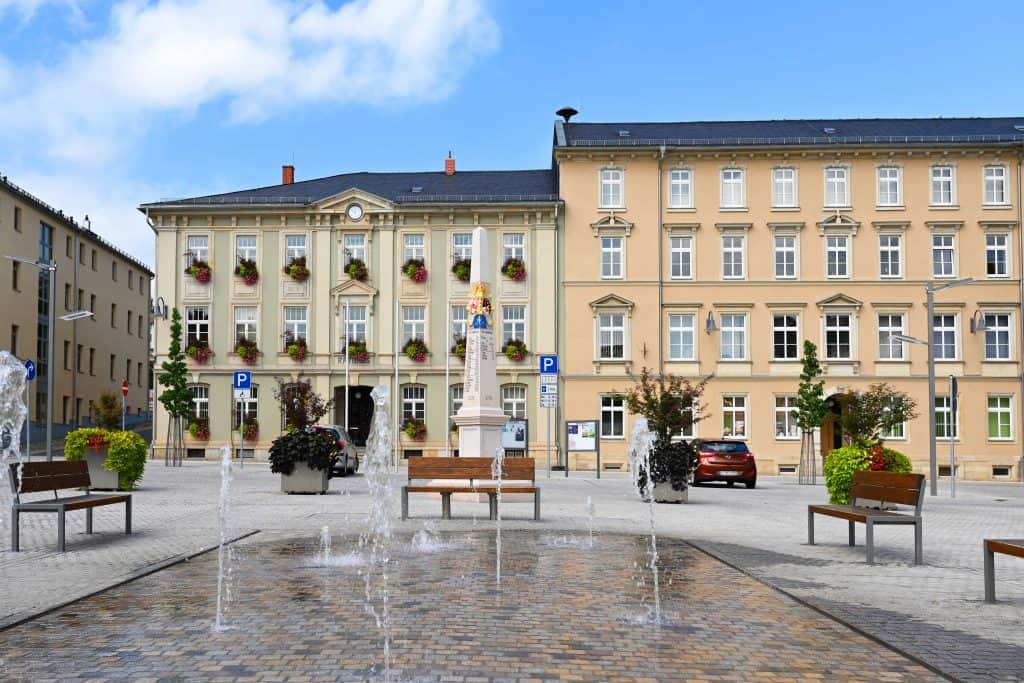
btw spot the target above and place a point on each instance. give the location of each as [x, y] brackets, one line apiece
[199, 429]
[250, 429]
[515, 350]
[415, 429]
[514, 268]
[297, 270]
[357, 270]
[246, 269]
[199, 350]
[201, 271]
[358, 353]
[296, 348]
[416, 350]
[459, 348]
[247, 350]
[415, 270]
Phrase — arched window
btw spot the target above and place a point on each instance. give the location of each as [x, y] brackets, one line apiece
[513, 400]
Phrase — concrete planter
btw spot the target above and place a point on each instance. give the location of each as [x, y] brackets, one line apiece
[664, 493]
[304, 479]
[99, 476]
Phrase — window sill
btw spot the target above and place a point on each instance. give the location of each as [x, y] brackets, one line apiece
[996, 207]
[610, 209]
[682, 209]
[997, 277]
[890, 207]
[837, 208]
[944, 207]
[785, 209]
[733, 209]
[891, 277]
[786, 438]
[1000, 440]
[680, 279]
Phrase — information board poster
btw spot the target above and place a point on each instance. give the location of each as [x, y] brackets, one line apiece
[513, 435]
[582, 435]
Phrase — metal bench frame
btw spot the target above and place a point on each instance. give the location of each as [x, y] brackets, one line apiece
[1013, 547]
[467, 469]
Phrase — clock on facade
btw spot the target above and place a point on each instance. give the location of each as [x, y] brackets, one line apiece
[355, 212]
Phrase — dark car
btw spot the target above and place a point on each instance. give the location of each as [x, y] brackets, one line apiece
[347, 461]
[728, 461]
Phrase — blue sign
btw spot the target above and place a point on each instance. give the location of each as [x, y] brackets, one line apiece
[242, 380]
[479, 322]
[30, 370]
[549, 365]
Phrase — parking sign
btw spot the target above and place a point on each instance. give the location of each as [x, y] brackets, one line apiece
[549, 365]
[242, 380]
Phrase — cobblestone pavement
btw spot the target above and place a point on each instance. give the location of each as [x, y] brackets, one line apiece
[934, 612]
[564, 611]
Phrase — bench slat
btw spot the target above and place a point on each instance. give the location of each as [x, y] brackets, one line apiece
[897, 479]
[50, 476]
[1006, 546]
[469, 489]
[887, 494]
[51, 468]
[469, 468]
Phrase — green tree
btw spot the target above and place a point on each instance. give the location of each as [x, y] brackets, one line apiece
[108, 411]
[176, 398]
[301, 405]
[866, 415]
[811, 409]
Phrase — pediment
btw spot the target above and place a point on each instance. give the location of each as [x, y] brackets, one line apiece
[840, 300]
[611, 224]
[340, 201]
[611, 301]
[353, 288]
[838, 222]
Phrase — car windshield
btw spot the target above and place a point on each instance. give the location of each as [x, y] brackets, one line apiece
[724, 447]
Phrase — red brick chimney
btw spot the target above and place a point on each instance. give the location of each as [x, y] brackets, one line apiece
[449, 164]
[287, 174]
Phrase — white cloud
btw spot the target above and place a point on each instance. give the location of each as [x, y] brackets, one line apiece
[26, 9]
[84, 115]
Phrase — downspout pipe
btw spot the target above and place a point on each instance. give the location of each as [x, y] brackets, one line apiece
[661, 264]
[559, 293]
[1020, 280]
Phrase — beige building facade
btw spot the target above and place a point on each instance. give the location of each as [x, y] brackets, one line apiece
[355, 329]
[92, 355]
[715, 250]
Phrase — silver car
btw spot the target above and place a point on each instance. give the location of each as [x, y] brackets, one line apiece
[348, 462]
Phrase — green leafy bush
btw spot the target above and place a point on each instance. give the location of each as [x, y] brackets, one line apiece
[315, 447]
[77, 441]
[842, 463]
[126, 452]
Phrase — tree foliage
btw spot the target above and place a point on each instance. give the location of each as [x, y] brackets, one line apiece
[811, 409]
[670, 403]
[108, 410]
[301, 405]
[866, 415]
[176, 398]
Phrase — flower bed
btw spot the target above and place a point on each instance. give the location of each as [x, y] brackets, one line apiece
[416, 350]
[246, 269]
[415, 270]
[247, 350]
[415, 429]
[357, 270]
[515, 350]
[462, 269]
[358, 353]
[201, 271]
[297, 270]
[514, 269]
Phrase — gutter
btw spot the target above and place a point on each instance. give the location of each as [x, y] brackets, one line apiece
[661, 264]
[1020, 280]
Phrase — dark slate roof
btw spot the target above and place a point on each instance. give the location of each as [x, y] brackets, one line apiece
[464, 187]
[793, 132]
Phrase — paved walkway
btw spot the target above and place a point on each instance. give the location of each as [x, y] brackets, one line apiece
[934, 612]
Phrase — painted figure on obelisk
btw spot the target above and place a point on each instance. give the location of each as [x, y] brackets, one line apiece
[480, 419]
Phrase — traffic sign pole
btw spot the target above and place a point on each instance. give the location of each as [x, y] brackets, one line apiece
[124, 399]
[30, 375]
[548, 394]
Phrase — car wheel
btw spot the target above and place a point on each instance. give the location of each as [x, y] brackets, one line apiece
[730, 483]
[751, 484]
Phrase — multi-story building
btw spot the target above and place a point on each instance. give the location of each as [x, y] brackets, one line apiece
[715, 249]
[384, 220]
[92, 356]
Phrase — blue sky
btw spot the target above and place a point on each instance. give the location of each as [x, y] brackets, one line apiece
[104, 105]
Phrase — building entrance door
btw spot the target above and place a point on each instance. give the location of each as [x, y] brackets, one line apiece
[360, 412]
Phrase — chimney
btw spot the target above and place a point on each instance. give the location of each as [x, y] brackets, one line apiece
[287, 174]
[449, 164]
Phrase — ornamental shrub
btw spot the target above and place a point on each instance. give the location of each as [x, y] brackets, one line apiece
[247, 270]
[357, 270]
[416, 350]
[514, 268]
[315, 447]
[842, 463]
[462, 269]
[297, 270]
[77, 441]
[415, 270]
[201, 271]
[126, 452]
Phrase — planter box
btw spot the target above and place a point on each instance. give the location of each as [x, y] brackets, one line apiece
[100, 476]
[664, 493]
[304, 479]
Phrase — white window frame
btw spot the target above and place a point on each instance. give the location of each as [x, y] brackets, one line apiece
[942, 410]
[791, 250]
[889, 186]
[943, 248]
[246, 408]
[787, 330]
[999, 410]
[247, 327]
[733, 406]
[612, 324]
[681, 257]
[459, 321]
[996, 185]
[456, 395]
[246, 252]
[513, 322]
[993, 331]
[296, 245]
[994, 249]
[613, 247]
[200, 400]
[729, 246]
[888, 249]
[414, 402]
[733, 188]
[779, 183]
[682, 332]
[614, 406]
[198, 247]
[838, 245]
[462, 246]
[839, 178]
[944, 328]
[513, 400]
[513, 245]
[197, 323]
[937, 182]
[414, 246]
[296, 322]
[354, 247]
[680, 192]
[833, 325]
[357, 320]
[414, 323]
[786, 410]
[897, 433]
[732, 335]
[614, 180]
[897, 350]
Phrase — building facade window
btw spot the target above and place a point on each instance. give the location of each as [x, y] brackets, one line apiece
[456, 394]
[613, 417]
[945, 426]
[889, 325]
[681, 258]
[997, 336]
[611, 258]
[113, 315]
[513, 401]
[462, 246]
[890, 256]
[734, 416]
[784, 188]
[890, 192]
[245, 247]
[785, 257]
[413, 323]
[294, 247]
[785, 335]
[999, 418]
[997, 252]
[245, 324]
[355, 247]
[14, 345]
[15, 276]
[944, 336]
[733, 191]
[785, 418]
[513, 322]
[412, 247]
[943, 186]
[414, 403]
[733, 337]
[513, 245]
[680, 336]
[612, 188]
[296, 323]
[200, 401]
[198, 247]
[943, 256]
[247, 408]
[995, 185]
[732, 257]
[838, 333]
[197, 325]
[356, 331]
[837, 187]
[113, 273]
[680, 195]
[611, 336]
[460, 321]
[837, 256]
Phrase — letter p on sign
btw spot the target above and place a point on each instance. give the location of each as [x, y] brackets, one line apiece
[549, 365]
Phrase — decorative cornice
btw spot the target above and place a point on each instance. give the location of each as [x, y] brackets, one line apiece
[734, 227]
[611, 224]
[786, 226]
[840, 301]
[944, 225]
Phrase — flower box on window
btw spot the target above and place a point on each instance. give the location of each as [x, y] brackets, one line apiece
[297, 270]
[199, 351]
[357, 270]
[199, 429]
[515, 350]
[247, 350]
[415, 270]
[201, 271]
[459, 348]
[358, 353]
[250, 429]
[462, 269]
[246, 269]
[297, 349]
[415, 429]
[514, 269]
[416, 350]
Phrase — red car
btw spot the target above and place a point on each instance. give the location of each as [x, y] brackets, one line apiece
[728, 461]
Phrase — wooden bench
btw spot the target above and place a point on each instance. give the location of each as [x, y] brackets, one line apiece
[1005, 546]
[59, 476]
[872, 488]
[464, 473]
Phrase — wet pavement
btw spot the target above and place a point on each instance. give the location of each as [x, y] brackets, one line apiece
[564, 611]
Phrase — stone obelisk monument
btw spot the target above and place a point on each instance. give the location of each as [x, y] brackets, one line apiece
[480, 419]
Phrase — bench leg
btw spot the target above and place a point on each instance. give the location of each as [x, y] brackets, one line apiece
[446, 506]
[810, 527]
[492, 504]
[128, 516]
[536, 505]
[60, 529]
[853, 534]
[15, 540]
[918, 545]
[405, 503]
[88, 520]
[990, 573]
[870, 540]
